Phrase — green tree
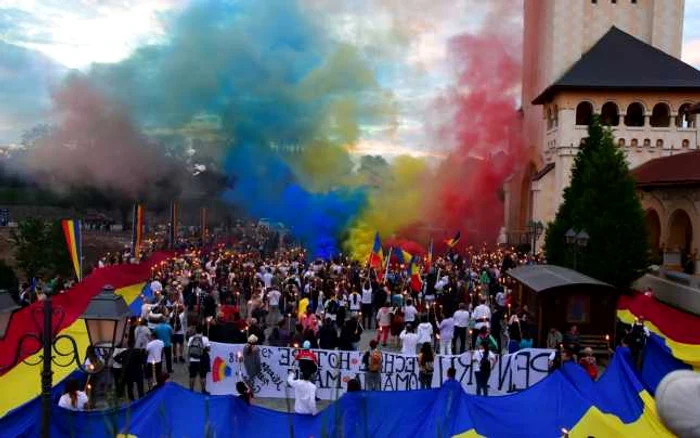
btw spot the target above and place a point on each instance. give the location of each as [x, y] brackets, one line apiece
[40, 248]
[601, 200]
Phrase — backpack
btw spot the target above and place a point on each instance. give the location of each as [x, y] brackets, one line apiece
[485, 365]
[196, 348]
[375, 361]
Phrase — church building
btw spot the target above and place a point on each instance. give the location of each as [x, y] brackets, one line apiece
[619, 59]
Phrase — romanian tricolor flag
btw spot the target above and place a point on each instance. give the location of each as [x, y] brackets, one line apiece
[174, 213]
[414, 271]
[429, 257]
[404, 257]
[74, 240]
[452, 242]
[376, 257]
[137, 231]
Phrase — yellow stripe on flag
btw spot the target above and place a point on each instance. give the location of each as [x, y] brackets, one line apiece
[23, 383]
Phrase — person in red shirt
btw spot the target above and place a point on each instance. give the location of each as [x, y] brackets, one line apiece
[307, 360]
[588, 363]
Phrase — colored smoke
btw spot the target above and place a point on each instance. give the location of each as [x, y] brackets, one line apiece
[484, 128]
[95, 144]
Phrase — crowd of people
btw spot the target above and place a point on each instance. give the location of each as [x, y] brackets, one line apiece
[263, 290]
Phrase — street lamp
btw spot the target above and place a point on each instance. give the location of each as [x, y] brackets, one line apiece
[105, 321]
[577, 240]
[535, 230]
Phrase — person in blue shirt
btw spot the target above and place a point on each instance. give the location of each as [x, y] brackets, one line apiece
[164, 332]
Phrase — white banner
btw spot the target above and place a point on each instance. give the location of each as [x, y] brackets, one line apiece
[512, 372]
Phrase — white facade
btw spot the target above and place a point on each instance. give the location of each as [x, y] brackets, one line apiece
[556, 35]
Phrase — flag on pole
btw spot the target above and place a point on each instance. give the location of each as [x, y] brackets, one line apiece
[204, 224]
[452, 242]
[174, 212]
[404, 257]
[74, 240]
[429, 258]
[137, 231]
[376, 257]
[414, 271]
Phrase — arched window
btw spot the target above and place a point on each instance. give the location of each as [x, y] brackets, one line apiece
[685, 119]
[660, 116]
[659, 143]
[647, 142]
[609, 114]
[685, 144]
[584, 113]
[635, 115]
[555, 116]
[549, 118]
[634, 142]
[621, 142]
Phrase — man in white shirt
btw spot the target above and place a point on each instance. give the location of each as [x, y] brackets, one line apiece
[304, 395]
[425, 332]
[482, 318]
[367, 305]
[410, 312]
[268, 277]
[461, 319]
[409, 340]
[154, 360]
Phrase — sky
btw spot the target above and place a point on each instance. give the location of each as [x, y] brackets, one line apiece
[44, 39]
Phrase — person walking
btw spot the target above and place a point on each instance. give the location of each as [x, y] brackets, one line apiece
[485, 360]
[426, 361]
[373, 361]
[154, 359]
[197, 351]
[447, 327]
[164, 332]
[461, 322]
[384, 323]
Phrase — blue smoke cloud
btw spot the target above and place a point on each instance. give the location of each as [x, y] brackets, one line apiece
[267, 186]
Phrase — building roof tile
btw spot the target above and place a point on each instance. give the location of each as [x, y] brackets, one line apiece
[619, 61]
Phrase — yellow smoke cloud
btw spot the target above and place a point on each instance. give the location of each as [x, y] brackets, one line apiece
[397, 202]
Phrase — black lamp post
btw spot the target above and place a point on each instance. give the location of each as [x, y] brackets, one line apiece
[105, 320]
[535, 230]
[577, 240]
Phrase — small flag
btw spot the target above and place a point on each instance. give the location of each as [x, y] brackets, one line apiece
[404, 257]
[173, 223]
[452, 242]
[137, 231]
[429, 259]
[388, 262]
[73, 235]
[376, 257]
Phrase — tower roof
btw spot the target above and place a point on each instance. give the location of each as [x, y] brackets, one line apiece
[619, 61]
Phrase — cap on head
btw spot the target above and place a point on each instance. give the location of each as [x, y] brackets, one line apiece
[306, 345]
[252, 339]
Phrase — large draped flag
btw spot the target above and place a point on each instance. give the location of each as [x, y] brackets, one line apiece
[173, 223]
[137, 231]
[414, 271]
[451, 243]
[74, 240]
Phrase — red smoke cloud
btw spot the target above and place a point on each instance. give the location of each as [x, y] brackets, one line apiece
[94, 145]
[485, 130]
